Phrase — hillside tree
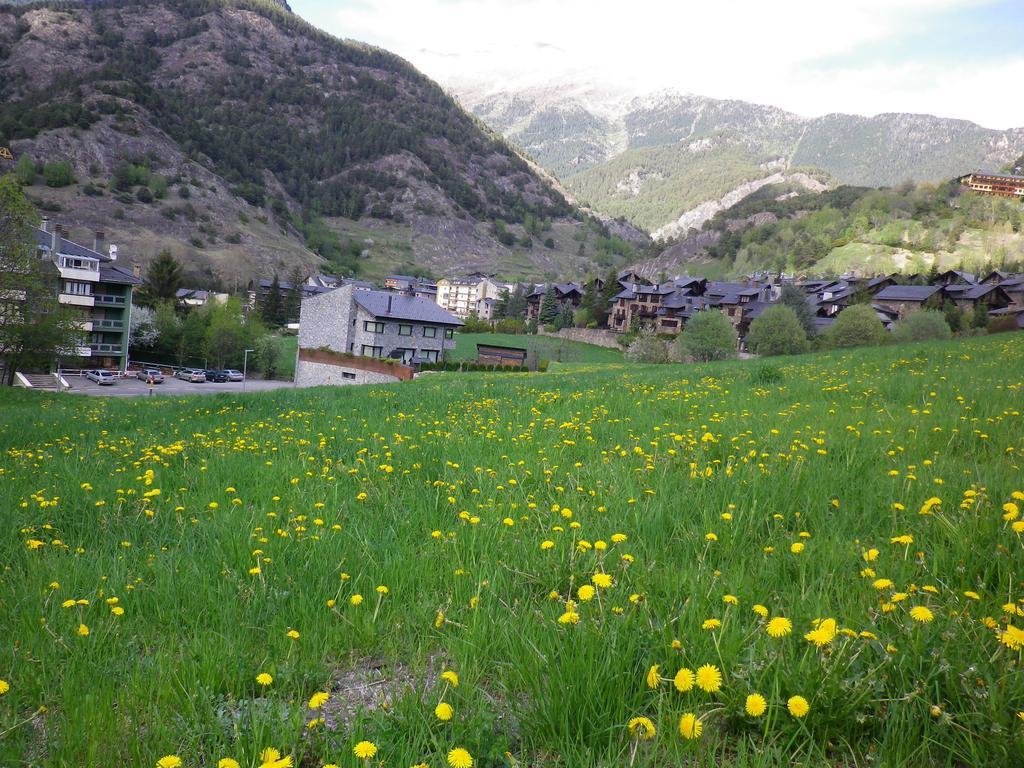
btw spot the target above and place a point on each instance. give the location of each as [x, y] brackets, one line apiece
[549, 309]
[708, 335]
[777, 332]
[163, 280]
[795, 298]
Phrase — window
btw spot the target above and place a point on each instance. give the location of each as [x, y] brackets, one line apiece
[78, 289]
[347, 375]
[405, 330]
[449, 333]
[372, 327]
[429, 332]
[370, 351]
[429, 354]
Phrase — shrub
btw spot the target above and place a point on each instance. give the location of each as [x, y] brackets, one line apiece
[1002, 324]
[709, 335]
[763, 375]
[25, 171]
[58, 174]
[922, 326]
[647, 348]
[144, 195]
[777, 332]
[856, 326]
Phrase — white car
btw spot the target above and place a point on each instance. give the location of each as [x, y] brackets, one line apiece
[234, 375]
[101, 377]
[194, 375]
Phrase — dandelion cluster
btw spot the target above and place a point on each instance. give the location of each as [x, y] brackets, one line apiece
[667, 565]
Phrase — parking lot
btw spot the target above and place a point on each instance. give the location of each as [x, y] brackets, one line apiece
[131, 387]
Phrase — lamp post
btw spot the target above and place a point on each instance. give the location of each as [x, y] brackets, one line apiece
[245, 365]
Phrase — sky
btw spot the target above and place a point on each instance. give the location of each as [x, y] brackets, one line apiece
[952, 58]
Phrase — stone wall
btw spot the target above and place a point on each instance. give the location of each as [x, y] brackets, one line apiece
[310, 374]
[597, 336]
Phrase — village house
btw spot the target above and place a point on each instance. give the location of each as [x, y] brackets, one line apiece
[411, 286]
[905, 299]
[92, 280]
[565, 294]
[356, 336]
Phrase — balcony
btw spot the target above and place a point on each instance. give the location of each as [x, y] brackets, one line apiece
[77, 273]
[106, 349]
[108, 325]
[108, 300]
[77, 299]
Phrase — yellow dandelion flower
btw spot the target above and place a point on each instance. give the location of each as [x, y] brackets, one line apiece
[690, 726]
[586, 592]
[709, 678]
[921, 614]
[730, 600]
[444, 711]
[684, 680]
[796, 547]
[318, 699]
[602, 580]
[760, 610]
[169, 761]
[460, 758]
[755, 705]
[653, 677]
[364, 750]
[642, 728]
[711, 624]
[779, 626]
[824, 633]
[264, 679]
[356, 599]
[4, 687]
[293, 634]
[83, 631]
[451, 678]
[569, 617]
[798, 706]
[227, 762]
[1012, 637]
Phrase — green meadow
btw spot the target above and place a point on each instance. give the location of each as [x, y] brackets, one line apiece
[813, 561]
[551, 348]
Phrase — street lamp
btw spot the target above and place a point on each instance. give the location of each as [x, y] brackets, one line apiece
[245, 365]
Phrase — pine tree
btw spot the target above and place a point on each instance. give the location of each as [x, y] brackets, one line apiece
[549, 309]
[603, 306]
[567, 317]
[163, 279]
[293, 297]
[796, 299]
[271, 307]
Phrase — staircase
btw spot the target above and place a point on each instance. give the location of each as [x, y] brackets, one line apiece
[42, 381]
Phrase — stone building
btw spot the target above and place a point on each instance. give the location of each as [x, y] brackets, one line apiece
[355, 336]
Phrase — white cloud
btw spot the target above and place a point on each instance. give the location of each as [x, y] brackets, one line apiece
[769, 52]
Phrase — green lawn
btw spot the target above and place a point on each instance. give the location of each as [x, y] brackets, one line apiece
[812, 561]
[546, 348]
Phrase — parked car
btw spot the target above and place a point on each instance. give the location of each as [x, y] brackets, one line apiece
[145, 373]
[195, 375]
[234, 375]
[217, 376]
[102, 377]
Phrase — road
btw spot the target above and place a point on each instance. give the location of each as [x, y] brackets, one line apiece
[130, 387]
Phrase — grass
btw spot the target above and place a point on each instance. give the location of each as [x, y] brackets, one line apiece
[549, 348]
[469, 514]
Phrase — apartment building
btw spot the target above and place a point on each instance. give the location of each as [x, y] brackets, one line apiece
[91, 279]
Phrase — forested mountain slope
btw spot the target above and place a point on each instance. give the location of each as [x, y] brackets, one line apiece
[245, 139]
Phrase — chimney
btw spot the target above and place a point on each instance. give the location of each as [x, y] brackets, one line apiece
[97, 244]
[46, 224]
[113, 252]
[55, 239]
[137, 270]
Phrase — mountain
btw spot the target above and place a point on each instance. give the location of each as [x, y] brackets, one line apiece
[655, 158]
[248, 141]
[911, 229]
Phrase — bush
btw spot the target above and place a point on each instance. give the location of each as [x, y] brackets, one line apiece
[143, 195]
[764, 375]
[647, 348]
[709, 335]
[777, 332]
[1002, 324]
[856, 326]
[58, 174]
[510, 325]
[922, 326]
[25, 171]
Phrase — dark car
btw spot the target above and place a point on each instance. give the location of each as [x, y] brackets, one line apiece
[218, 377]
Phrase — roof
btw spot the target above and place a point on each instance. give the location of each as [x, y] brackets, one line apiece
[109, 272]
[396, 306]
[503, 347]
[907, 292]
